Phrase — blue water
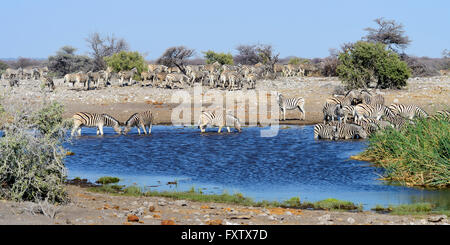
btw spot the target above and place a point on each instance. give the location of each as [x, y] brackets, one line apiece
[291, 164]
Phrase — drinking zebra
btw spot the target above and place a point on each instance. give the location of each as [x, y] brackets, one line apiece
[218, 120]
[140, 120]
[323, 131]
[407, 111]
[332, 112]
[291, 104]
[350, 131]
[87, 119]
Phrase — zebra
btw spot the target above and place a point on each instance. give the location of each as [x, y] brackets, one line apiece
[291, 104]
[441, 115]
[369, 111]
[218, 120]
[347, 110]
[370, 99]
[332, 111]
[323, 131]
[350, 131]
[94, 120]
[407, 111]
[370, 125]
[139, 120]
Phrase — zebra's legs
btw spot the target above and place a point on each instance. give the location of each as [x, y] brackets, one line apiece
[101, 129]
[79, 131]
[150, 129]
[98, 130]
[220, 129]
[228, 128]
[139, 130]
[145, 130]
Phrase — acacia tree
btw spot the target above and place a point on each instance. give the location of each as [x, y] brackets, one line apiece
[247, 55]
[105, 46]
[66, 61]
[176, 56]
[389, 33]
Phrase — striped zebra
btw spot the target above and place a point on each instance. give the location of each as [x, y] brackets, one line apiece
[370, 111]
[398, 122]
[139, 120]
[323, 131]
[368, 98]
[441, 115]
[348, 110]
[332, 112]
[218, 120]
[407, 111]
[291, 104]
[350, 131]
[371, 125]
[87, 119]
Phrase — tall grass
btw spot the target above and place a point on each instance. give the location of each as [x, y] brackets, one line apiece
[418, 155]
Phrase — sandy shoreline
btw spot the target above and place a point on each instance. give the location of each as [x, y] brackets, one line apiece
[90, 208]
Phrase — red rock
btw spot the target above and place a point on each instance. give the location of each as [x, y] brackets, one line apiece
[132, 218]
[167, 222]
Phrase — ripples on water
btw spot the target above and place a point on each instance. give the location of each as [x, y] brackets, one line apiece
[277, 168]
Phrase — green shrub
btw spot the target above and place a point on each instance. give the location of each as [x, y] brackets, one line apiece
[66, 61]
[3, 67]
[107, 180]
[363, 63]
[125, 61]
[222, 58]
[31, 156]
[419, 155]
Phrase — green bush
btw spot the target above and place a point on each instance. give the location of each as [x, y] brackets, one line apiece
[222, 58]
[419, 155]
[3, 67]
[31, 156]
[107, 180]
[364, 62]
[125, 61]
[66, 61]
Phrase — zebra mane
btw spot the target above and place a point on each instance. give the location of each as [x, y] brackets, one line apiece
[111, 118]
[131, 119]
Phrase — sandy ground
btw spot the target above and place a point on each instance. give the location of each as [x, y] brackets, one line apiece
[92, 208]
[89, 208]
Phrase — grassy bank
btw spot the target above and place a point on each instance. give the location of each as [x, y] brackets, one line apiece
[236, 198]
[418, 155]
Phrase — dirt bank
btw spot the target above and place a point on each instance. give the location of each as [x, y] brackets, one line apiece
[88, 208]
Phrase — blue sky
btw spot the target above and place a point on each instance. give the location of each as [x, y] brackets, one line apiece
[299, 28]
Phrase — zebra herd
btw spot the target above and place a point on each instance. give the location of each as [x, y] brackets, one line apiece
[230, 77]
[360, 113]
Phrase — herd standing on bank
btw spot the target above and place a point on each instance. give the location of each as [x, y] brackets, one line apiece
[229, 77]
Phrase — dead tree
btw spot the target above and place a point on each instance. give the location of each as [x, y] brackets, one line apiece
[176, 57]
[390, 33]
[102, 47]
